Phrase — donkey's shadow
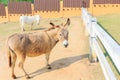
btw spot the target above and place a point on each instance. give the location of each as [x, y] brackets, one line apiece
[58, 64]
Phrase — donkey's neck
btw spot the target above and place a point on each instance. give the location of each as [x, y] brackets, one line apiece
[53, 34]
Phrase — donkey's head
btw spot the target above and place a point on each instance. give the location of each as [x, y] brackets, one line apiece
[62, 32]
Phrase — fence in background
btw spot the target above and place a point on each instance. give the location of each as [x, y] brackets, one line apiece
[76, 3]
[19, 8]
[106, 1]
[112, 47]
[2, 10]
[47, 5]
[57, 8]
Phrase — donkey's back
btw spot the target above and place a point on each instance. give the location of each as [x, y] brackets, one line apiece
[31, 44]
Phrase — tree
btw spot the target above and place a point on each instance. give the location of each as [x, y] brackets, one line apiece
[21, 0]
[5, 2]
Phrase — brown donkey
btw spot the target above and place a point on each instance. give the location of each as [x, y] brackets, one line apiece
[20, 45]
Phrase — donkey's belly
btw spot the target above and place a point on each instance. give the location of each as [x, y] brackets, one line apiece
[34, 54]
[35, 51]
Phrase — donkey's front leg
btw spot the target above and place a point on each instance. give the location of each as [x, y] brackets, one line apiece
[22, 26]
[47, 60]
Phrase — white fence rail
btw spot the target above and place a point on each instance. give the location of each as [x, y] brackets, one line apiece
[104, 64]
[110, 45]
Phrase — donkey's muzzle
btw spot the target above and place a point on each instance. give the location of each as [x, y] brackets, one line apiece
[65, 43]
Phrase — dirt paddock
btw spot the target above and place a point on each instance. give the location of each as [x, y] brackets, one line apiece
[67, 63]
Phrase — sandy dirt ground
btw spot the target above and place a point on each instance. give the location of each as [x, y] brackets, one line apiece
[67, 63]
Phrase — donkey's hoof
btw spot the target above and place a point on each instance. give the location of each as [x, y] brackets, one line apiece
[49, 67]
[14, 77]
[27, 77]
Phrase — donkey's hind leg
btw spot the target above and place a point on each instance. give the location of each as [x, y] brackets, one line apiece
[21, 59]
[13, 60]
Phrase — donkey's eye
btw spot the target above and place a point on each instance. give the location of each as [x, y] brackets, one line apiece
[60, 34]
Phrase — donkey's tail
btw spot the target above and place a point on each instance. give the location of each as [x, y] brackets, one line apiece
[9, 59]
[8, 54]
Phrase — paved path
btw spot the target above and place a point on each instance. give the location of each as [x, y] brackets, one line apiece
[67, 63]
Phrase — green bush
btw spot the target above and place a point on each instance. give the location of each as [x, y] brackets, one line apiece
[5, 2]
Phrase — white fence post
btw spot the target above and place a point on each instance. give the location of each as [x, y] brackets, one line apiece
[95, 31]
[92, 55]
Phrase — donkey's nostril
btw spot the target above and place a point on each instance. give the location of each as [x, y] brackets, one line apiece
[65, 43]
[66, 46]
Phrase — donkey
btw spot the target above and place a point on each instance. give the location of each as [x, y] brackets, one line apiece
[33, 44]
[29, 20]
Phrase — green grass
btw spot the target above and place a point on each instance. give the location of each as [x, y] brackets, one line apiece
[111, 24]
[9, 28]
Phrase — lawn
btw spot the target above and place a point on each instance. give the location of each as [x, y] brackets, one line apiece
[111, 24]
[9, 28]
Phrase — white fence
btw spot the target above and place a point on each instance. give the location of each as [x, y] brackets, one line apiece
[110, 45]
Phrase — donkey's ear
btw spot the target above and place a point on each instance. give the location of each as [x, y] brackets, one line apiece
[67, 23]
[57, 26]
[52, 24]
